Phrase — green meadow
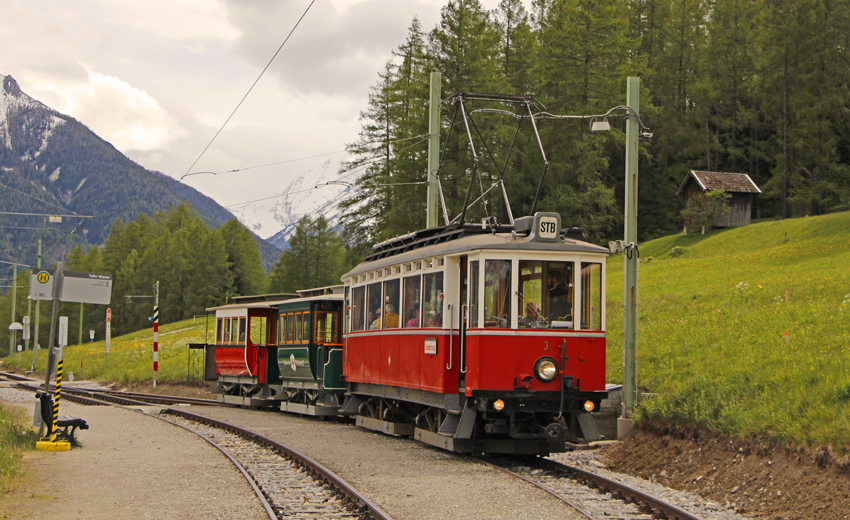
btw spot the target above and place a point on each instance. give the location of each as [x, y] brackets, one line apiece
[130, 358]
[744, 331]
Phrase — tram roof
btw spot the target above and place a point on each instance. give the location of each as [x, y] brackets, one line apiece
[249, 305]
[505, 241]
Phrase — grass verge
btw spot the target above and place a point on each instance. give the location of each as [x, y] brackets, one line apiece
[745, 331]
[15, 439]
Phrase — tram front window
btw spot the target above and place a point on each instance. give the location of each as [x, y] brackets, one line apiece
[545, 294]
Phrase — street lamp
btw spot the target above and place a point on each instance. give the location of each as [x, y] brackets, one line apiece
[13, 329]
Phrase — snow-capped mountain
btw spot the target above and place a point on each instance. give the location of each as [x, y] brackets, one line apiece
[275, 219]
[50, 163]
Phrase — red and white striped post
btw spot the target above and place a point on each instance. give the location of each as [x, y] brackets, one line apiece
[155, 342]
[155, 332]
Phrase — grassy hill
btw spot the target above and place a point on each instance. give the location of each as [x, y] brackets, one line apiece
[723, 346]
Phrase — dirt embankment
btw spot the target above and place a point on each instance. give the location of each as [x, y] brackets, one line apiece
[757, 479]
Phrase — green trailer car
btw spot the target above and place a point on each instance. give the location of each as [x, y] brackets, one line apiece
[309, 354]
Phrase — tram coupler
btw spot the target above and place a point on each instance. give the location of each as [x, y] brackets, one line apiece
[555, 436]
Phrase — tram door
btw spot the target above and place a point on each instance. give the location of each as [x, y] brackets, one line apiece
[464, 313]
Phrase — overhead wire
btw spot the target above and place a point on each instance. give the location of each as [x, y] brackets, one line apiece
[250, 89]
[168, 186]
[36, 198]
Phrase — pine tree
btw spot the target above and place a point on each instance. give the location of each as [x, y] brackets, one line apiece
[315, 258]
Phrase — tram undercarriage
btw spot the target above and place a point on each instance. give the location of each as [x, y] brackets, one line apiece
[470, 425]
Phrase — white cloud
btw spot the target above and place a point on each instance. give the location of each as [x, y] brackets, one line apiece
[126, 116]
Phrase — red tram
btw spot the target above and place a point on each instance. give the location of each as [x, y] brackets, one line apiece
[479, 338]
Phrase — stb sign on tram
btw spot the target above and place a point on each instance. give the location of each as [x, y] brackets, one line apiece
[77, 287]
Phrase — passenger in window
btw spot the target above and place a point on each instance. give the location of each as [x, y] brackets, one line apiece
[392, 319]
[434, 320]
[414, 317]
[556, 286]
[560, 299]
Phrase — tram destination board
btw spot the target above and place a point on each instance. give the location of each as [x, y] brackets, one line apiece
[77, 287]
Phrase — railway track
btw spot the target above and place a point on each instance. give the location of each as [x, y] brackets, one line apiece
[287, 483]
[596, 496]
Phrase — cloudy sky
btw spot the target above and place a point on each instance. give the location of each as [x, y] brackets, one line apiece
[158, 78]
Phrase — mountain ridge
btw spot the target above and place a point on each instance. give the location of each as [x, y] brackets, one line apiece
[52, 158]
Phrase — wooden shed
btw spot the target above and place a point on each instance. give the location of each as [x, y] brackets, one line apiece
[738, 185]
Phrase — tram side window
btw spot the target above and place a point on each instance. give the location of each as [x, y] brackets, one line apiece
[305, 324]
[392, 299]
[545, 294]
[473, 295]
[326, 328]
[298, 328]
[243, 330]
[373, 305]
[346, 322]
[358, 308]
[412, 309]
[433, 305]
[497, 293]
[591, 296]
[226, 331]
[257, 328]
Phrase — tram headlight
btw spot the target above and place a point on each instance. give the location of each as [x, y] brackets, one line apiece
[499, 405]
[546, 369]
[589, 406]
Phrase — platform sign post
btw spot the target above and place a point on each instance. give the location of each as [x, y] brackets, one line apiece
[14, 298]
[25, 334]
[63, 331]
[35, 345]
[50, 443]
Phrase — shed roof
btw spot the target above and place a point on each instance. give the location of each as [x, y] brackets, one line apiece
[731, 182]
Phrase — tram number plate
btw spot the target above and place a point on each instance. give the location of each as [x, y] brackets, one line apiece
[430, 345]
[548, 227]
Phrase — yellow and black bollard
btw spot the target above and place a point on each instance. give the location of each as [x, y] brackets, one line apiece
[50, 443]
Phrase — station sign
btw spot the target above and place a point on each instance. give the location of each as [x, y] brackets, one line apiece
[76, 288]
[41, 285]
[86, 288]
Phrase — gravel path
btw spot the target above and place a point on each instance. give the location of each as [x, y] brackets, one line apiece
[130, 466]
